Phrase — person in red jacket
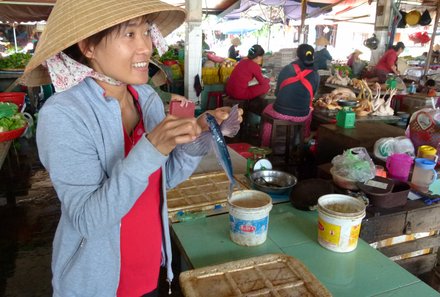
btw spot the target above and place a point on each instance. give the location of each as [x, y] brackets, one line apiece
[246, 80]
[388, 63]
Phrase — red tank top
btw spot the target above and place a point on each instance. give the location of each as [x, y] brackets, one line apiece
[141, 231]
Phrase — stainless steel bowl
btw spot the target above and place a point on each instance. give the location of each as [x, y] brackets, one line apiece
[273, 181]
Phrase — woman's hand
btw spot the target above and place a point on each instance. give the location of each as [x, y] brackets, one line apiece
[220, 114]
[173, 131]
[183, 100]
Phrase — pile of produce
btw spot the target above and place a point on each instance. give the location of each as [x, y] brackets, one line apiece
[341, 76]
[15, 61]
[10, 118]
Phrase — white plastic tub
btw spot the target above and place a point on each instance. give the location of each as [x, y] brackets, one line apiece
[249, 217]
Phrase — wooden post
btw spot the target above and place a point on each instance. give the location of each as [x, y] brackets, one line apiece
[303, 19]
[428, 58]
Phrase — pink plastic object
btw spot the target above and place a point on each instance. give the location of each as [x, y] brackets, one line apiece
[398, 166]
[215, 58]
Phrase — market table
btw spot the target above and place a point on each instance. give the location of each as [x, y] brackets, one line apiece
[412, 102]
[363, 272]
[326, 117]
[9, 79]
[333, 140]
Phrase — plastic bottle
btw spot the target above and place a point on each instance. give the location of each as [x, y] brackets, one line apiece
[412, 89]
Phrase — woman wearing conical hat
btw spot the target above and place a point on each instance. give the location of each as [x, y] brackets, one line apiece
[355, 63]
[108, 146]
[322, 55]
[233, 53]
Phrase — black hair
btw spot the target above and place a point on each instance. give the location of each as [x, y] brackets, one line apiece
[399, 45]
[255, 51]
[430, 83]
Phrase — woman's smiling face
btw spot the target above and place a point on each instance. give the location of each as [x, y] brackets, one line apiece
[124, 54]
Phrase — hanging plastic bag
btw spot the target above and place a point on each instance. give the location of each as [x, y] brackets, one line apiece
[402, 22]
[420, 37]
[424, 127]
[425, 19]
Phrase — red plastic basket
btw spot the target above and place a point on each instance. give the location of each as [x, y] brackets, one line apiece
[241, 148]
[13, 97]
[10, 135]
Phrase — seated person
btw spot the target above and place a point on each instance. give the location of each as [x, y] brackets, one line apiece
[322, 55]
[244, 72]
[428, 88]
[296, 87]
[355, 63]
[233, 53]
[388, 63]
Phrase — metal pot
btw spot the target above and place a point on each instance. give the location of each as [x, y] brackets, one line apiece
[372, 42]
[273, 181]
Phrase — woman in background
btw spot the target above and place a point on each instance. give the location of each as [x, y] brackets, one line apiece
[388, 63]
[233, 53]
[296, 87]
[322, 55]
[355, 63]
[240, 84]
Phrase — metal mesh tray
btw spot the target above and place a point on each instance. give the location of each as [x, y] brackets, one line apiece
[274, 275]
[201, 192]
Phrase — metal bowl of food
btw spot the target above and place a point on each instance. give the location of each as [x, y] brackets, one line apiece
[273, 181]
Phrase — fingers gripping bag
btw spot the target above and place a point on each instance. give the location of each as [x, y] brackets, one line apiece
[424, 128]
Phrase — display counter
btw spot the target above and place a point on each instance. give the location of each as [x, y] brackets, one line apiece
[329, 117]
[363, 272]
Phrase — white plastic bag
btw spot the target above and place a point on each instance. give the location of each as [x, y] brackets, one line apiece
[385, 147]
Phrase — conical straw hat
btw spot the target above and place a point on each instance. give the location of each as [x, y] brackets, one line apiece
[74, 20]
[322, 41]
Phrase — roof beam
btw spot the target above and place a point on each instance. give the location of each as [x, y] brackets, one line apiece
[229, 9]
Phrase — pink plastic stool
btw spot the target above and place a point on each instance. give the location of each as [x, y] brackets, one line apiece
[218, 96]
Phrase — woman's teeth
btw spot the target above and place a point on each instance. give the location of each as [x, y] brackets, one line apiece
[140, 64]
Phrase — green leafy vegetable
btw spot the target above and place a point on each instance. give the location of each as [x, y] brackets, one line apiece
[10, 119]
[169, 55]
[15, 61]
[7, 109]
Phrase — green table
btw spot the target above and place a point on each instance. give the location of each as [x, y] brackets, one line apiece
[363, 272]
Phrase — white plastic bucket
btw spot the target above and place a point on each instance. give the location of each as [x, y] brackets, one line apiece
[339, 222]
[249, 217]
